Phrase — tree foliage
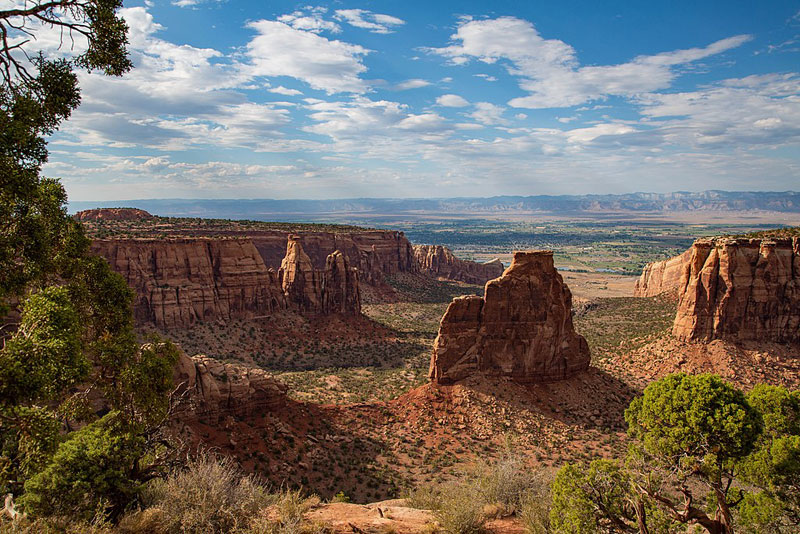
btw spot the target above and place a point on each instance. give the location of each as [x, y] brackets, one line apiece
[704, 453]
[81, 404]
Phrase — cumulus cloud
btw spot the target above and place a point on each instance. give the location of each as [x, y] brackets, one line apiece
[549, 70]
[328, 65]
[374, 22]
[452, 101]
[312, 19]
[751, 111]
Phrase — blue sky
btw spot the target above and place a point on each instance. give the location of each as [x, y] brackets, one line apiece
[245, 99]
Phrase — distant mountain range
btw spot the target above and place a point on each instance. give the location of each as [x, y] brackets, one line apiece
[268, 209]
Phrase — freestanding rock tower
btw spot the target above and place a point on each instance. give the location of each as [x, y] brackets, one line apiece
[522, 328]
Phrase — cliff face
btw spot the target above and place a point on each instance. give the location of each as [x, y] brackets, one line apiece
[662, 277]
[521, 329]
[439, 261]
[741, 289]
[183, 281]
[375, 253]
[178, 283]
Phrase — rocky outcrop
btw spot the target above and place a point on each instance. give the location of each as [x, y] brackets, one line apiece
[184, 281]
[521, 329]
[439, 261]
[662, 277]
[112, 214]
[340, 291]
[333, 289]
[301, 284]
[214, 390]
[741, 289]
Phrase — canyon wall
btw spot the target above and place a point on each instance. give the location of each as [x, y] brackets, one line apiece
[740, 289]
[522, 328]
[180, 282]
[439, 261]
[376, 253]
[662, 277]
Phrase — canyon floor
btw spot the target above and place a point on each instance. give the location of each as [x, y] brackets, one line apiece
[364, 420]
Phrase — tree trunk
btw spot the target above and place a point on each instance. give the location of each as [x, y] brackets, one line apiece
[641, 517]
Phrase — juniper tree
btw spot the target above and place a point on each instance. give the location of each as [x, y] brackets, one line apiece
[69, 357]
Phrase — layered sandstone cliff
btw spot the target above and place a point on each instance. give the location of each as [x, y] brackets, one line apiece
[214, 390]
[662, 277]
[112, 214]
[181, 282]
[522, 328]
[741, 289]
[439, 261]
[375, 253]
[184, 281]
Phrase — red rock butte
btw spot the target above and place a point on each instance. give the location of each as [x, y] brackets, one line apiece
[740, 289]
[113, 214]
[522, 328]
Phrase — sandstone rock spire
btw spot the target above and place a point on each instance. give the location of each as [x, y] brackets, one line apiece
[522, 328]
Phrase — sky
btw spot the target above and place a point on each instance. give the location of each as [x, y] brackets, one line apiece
[274, 99]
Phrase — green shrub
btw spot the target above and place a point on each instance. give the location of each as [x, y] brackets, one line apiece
[89, 473]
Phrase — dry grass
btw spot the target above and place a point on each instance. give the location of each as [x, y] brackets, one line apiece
[210, 496]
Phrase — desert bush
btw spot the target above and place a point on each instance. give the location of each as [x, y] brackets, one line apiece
[534, 509]
[506, 482]
[290, 508]
[210, 496]
[460, 510]
[53, 526]
[425, 498]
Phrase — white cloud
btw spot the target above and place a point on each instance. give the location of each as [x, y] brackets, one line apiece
[329, 65]
[414, 83]
[752, 111]
[310, 20]
[549, 70]
[281, 90]
[374, 22]
[488, 113]
[452, 101]
[423, 122]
